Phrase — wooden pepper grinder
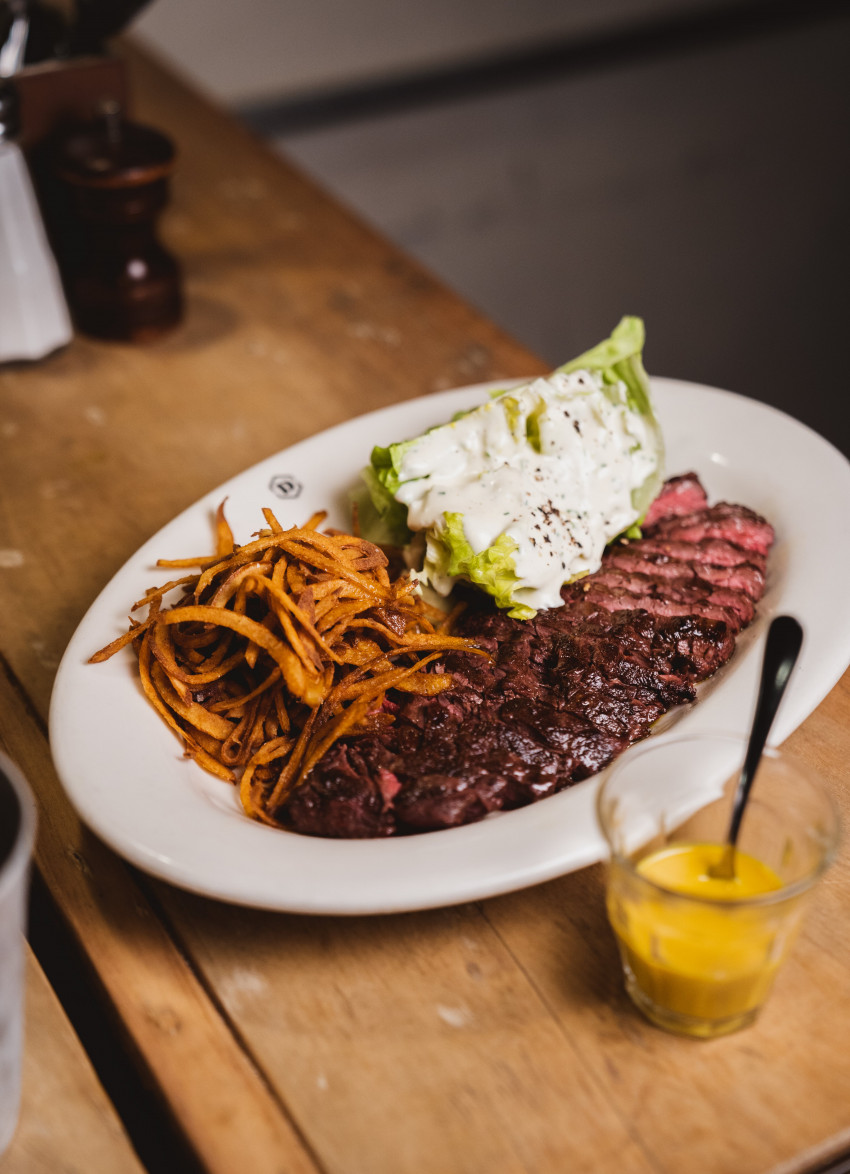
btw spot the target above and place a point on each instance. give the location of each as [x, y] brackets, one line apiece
[121, 282]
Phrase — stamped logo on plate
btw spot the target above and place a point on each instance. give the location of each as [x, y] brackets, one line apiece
[286, 486]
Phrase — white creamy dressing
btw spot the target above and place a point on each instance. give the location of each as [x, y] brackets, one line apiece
[561, 505]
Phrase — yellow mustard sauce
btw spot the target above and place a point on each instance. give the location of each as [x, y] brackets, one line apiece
[709, 958]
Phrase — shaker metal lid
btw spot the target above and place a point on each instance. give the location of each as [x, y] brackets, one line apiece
[111, 152]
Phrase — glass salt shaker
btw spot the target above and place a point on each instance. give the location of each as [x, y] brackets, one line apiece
[34, 318]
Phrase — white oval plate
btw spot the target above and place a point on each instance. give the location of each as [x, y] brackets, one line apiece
[125, 773]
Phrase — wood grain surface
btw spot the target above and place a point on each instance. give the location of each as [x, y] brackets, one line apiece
[493, 1036]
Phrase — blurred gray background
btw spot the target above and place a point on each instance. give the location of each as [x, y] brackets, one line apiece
[563, 162]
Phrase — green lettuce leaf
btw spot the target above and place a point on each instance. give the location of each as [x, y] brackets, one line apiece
[382, 518]
[618, 359]
[493, 569]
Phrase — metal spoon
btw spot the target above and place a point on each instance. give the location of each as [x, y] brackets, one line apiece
[782, 648]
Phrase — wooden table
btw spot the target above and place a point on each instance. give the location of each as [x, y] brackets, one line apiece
[493, 1036]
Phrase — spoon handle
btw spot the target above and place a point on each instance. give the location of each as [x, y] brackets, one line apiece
[784, 638]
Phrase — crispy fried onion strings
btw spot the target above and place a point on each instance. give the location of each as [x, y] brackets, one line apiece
[278, 648]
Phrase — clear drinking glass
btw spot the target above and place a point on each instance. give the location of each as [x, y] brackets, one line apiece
[17, 835]
[703, 965]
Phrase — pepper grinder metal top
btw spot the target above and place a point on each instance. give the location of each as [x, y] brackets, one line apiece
[121, 282]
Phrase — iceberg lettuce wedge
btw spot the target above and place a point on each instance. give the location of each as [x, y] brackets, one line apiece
[522, 493]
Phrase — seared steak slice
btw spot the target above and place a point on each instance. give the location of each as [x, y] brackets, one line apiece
[730, 523]
[687, 588]
[622, 671]
[692, 645]
[619, 599]
[343, 799]
[619, 648]
[745, 577]
[707, 550]
[679, 495]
